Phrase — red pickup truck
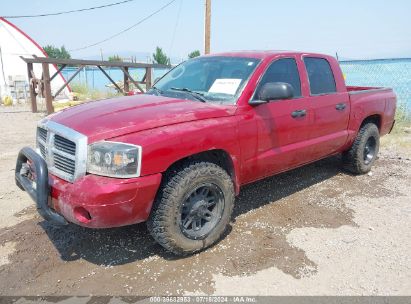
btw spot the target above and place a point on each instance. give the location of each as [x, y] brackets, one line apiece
[177, 156]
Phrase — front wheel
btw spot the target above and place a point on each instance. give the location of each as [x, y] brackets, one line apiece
[193, 208]
[363, 153]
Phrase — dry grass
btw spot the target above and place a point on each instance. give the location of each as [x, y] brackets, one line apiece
[400, 138]
[82, 93]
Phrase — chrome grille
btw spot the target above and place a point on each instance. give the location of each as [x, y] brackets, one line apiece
[64, 150]
[65, 145]
[64, 164]
[42, 134]
[41, 141]
[42, 150]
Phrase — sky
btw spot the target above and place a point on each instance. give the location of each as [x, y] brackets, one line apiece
[359, 29]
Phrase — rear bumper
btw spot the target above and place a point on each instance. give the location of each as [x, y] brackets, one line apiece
[392, 127]
[92, 201]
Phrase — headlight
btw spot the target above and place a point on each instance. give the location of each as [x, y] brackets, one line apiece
[114, 159]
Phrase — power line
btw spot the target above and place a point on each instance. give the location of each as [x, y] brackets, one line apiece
[175, 26]
[125, 30]
[68, 12]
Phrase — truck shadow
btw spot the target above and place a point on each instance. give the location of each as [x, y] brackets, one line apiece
[117, 246]
[272, 228]
[265, 216]
[275, 188]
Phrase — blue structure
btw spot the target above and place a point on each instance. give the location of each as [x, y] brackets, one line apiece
[393, 73]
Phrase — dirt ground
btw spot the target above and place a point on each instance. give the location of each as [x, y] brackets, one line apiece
[313, 231]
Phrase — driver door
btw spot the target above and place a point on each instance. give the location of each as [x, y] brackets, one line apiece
[283, 126]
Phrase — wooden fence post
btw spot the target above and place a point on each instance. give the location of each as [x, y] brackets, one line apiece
[47, 88]
[149, 75]
[32, 87]
[126, 86]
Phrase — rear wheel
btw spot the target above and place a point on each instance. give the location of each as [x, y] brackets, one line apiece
[363, 153]
[193, 208]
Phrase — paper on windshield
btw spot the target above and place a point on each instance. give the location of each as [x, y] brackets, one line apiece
[225, 86]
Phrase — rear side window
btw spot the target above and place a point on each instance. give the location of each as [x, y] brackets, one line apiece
[282, 70]
[320, 76]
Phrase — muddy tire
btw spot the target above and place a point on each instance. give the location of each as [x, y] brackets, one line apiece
[363, 153]
[193, 208]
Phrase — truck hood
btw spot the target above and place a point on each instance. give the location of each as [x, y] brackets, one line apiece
[110, 118]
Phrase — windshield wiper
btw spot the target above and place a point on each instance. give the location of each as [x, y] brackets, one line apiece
[157, 90]
[195, 94]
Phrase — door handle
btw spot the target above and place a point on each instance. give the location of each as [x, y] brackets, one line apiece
[298, 113]
[340, 106]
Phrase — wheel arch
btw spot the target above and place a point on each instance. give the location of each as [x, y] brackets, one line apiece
[219, 157]
[374, 118]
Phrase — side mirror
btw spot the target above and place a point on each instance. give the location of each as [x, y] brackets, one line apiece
[273, 91]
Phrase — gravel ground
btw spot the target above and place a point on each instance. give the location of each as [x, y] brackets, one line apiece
[313, 231]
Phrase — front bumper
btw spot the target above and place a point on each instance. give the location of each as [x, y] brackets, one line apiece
[32, 176]
[91, 201]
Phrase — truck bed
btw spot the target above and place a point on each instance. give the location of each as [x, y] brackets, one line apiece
[360, 90]
[378, 101]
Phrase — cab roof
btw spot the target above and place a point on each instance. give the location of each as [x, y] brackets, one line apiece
[262, 54]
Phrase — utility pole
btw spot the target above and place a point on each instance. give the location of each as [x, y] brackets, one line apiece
[207, 27]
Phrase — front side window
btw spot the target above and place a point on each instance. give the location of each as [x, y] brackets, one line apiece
[282, 70]
[320, 76]
[209, 79]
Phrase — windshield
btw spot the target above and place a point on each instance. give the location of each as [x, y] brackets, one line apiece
[208, 79]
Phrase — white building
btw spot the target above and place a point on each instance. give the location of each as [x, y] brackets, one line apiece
[13, 70]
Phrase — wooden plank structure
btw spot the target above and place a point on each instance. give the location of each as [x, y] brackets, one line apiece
[44, 82]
